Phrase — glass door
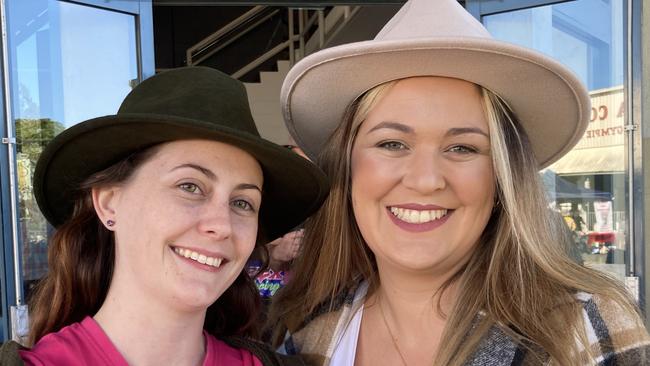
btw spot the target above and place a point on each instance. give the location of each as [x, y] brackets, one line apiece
[587, 187]
[67, 62]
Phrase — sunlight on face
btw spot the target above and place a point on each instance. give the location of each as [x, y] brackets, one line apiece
[186, 222]
[422, 177]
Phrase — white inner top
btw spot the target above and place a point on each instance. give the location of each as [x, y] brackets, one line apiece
[346, 347]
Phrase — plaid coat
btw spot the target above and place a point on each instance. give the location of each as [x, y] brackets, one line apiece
[617, 339]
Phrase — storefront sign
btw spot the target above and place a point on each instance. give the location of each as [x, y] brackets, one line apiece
[606, 120]
[601, 149]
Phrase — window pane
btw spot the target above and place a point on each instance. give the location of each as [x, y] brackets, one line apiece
[68, 63]
[587, 186]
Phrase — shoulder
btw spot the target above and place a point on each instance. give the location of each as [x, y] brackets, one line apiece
[244, 347]
[81, 343]
[54, 348]
[338, 307]
[315, 340]
[9, 354]
[58, 347]
[615, 333]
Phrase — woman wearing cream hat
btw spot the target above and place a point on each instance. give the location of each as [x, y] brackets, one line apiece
[435, 245]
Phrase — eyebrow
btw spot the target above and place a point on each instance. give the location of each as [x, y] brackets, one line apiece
[207, 172]
[243, 186]
[465, 130]
[392, 125]
[210, 175]
[456, 131]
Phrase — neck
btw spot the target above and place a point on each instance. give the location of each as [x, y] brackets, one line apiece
[406, 292]
[408, 303]
[148, 332]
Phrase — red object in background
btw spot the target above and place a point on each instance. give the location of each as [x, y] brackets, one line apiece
[601, 238]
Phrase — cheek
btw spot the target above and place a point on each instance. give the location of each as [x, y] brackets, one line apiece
[361, 190]
[246, 236]
[475, 184]
[372, 176]
[146, 221]
[134, 219]
[370, 183]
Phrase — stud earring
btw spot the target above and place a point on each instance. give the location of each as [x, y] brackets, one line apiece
[110, 223]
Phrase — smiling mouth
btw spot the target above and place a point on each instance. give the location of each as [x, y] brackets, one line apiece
[200, 258]
[417, 216]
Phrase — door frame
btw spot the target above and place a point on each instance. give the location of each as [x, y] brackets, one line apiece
[636, 259]
[10, 257]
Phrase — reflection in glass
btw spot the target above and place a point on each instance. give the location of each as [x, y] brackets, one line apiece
[586, 187]
[68, 63]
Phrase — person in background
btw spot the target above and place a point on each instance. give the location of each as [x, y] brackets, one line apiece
[281, 253]
[157, 210]
[435, 245]
[285, 249]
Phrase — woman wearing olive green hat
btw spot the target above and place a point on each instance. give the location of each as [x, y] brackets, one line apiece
[157, 209]
[435, 246]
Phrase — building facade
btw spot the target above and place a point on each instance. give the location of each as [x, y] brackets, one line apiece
[67, 61]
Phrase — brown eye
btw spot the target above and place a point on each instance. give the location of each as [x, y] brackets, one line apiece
[189, 187]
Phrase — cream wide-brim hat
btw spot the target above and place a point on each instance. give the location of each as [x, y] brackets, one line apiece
[437, 38]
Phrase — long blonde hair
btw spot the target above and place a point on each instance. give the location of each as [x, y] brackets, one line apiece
[519, 276]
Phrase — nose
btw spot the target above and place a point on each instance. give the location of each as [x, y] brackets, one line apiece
[215, 221]
[423, 173]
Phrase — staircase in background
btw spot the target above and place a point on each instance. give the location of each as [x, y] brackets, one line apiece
[261, 43]
[264, 98]
[306, 31]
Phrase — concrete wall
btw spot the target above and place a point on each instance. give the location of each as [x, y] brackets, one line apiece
[264, 98]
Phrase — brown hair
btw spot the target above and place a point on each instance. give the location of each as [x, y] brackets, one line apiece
[519, 276]
[334, 252]
[81, 259]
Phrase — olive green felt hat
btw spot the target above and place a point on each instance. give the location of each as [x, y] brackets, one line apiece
[184, 103]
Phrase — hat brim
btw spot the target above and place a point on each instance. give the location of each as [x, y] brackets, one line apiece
[293, 187]
[550, 102]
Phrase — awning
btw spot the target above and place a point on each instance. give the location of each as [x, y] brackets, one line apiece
[558, 188]
[567, 190]
[596, 160]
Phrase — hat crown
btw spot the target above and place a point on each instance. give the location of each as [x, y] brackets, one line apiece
[432, 18]
[197, 93]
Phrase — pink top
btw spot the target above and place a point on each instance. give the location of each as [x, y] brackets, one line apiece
[85, 343]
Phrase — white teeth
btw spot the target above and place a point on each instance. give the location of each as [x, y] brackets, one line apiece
[414, 216]
[425, 216]
[417, 216]
[201, 258]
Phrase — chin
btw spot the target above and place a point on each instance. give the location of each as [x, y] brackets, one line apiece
[419, 264]
[199, 299]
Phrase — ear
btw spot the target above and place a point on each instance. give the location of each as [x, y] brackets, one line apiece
[105, 201]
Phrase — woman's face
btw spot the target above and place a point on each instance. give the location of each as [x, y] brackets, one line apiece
[422, 178]
[185, 222]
